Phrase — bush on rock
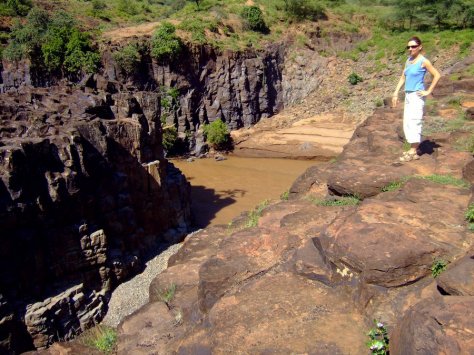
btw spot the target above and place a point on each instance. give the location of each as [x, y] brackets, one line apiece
[217, 134]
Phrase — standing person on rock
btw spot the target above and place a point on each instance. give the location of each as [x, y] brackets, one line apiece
[413, 77]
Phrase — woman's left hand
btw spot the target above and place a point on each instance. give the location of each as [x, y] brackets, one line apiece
[422, 93]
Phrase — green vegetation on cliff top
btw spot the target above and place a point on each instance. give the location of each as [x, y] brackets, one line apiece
[239, 24]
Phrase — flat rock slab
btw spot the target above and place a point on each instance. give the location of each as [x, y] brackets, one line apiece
[282, 314]
[321, 136]
[150, 332]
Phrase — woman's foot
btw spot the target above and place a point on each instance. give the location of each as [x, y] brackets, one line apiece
[409, 156]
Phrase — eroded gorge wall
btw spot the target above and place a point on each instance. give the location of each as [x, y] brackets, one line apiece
[85, 190]
[85, 193]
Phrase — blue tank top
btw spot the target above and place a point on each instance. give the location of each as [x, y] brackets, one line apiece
[415, 75]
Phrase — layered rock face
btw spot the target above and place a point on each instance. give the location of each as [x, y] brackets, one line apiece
[315, 272]
[85, 193]
[239, 88]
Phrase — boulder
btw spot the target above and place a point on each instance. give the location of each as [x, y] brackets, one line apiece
[390, 243]
[436, 327]
[458, 279]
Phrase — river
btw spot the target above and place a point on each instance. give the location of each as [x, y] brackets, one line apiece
[221, 190]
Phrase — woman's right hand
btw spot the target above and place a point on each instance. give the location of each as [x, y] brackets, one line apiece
[394, 101]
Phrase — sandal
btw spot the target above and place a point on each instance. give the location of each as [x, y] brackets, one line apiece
[406, 156]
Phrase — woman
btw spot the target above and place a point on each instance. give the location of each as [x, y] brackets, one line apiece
[413, 77]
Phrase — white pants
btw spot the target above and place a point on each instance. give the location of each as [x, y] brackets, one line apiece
[413, 117]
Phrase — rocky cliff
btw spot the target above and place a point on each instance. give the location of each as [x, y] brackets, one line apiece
[85, 194]
[85, 190]
[316, 270]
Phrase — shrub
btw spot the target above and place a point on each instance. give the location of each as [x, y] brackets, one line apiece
[26, 39]
[98, 5]
[165, 45]
[127, 58]
[304, 9]
[57, 35]
[354, 79]
[197, 27]
[79, 54]
[128, 7]
[253, 18]
[15, 7]
[170, 137]
[217, 134]
[439, 265]
[469, 215]
[168, 100]
[54, 42]
[101, 338]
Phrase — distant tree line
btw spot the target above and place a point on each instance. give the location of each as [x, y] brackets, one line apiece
[428, 14]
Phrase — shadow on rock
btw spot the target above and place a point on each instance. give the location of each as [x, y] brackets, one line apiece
[207, 202]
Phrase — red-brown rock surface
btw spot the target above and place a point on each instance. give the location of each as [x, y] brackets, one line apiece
[310, 278]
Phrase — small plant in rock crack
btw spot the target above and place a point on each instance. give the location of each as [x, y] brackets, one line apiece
[439, 265]
[100, 337]
[254, 215]
[395, 185]
[378, 343]
[469, 215]
[349, 200]
[167, 294]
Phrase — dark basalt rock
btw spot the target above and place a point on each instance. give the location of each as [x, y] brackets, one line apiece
[85, 194]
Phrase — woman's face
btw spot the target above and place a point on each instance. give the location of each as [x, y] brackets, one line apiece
[413, 48]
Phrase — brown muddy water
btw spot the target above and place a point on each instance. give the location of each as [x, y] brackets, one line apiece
[221, 190]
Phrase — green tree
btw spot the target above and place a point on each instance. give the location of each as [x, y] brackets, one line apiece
[26, 39]
[253, 17]
[165, 44]
[53, 42]
[420, 14]
[79, 54]
[55, 39]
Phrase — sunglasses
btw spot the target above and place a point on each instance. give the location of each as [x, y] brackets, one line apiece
[413, 47]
